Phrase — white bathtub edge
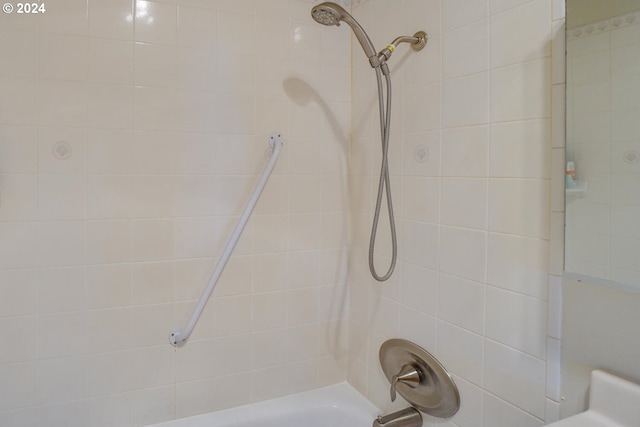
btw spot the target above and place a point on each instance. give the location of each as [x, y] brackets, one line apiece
[341, 395]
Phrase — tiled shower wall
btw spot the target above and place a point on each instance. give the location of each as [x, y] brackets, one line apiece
[131, 135]
[603, 239]
[472, 150]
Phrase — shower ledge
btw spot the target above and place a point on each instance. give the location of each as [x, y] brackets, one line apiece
[613, 402]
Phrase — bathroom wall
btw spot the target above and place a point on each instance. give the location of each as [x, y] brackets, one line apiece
[603, 237]
[479, 219]
[131, 134]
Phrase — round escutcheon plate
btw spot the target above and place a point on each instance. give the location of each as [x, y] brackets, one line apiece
[436, 394]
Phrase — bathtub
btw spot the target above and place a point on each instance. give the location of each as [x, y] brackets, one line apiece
[338, 405]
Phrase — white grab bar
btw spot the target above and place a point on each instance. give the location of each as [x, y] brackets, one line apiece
[180, 336]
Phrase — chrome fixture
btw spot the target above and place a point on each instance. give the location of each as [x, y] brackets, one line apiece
[329, 13]
[408, 417]
[419, 378]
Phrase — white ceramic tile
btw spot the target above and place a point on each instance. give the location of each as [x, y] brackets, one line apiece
[110, 409]
[519, 207]
[19, 197]
[517, 320]
[234, 354]
[74, 413]
[20, 49]
[24, 348]
[61, 243]
[196, 68]
[156, 22]
[61, 290]
[552, 413]
[302, 342]
[516, 377]
[108, 196]
[111, 19]
[558, 179]
[236, 32]
[63, 57]
[425, 201]
[417, 326]
[19, 244]
[457, 13]
[68, 16]
[511, 84]
[497, 6]
[471, 399]
[464, 202]
[151, 324]
[108, 241]
[518, 264]
[152, 283]
[193, 398]
[271, 233]
[461, 352]
[234, 113]
[110, 106]
[269, 310]
[422, 108]
[463, 252]
[109, 330]
[18, 149]
[521, 34]
[19, 389]
[62, 103]
[155, 65]
[496, 412]
[554, 365]
[62, 150]
[62, 379]
[558, 50]
[419, 288]
[520, 149]
[197, 27]
[465, 151]
[19, 102]
[155, 108]
[461, 302]
[108, 151]
[109, 373]
[153, 405]
[269, 348]
[152, 240]
[465, 101]
[425, 16]
[466, 50]
[418, 244]
[76, 327]
[18, 290]
[422, 153]
[235, 394]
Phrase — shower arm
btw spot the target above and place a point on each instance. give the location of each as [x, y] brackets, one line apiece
[417, 41]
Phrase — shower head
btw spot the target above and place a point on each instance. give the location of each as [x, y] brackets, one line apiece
[329, 13]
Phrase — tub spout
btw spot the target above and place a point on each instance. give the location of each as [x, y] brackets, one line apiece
[408, 417]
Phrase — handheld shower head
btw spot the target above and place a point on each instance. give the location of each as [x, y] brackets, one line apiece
[330, 13]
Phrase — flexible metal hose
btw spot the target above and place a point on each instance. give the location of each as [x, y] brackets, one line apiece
[384, 183]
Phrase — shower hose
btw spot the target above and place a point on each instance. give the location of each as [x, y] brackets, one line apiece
[383, 184]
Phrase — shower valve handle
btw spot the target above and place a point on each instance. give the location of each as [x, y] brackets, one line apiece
[408, 375]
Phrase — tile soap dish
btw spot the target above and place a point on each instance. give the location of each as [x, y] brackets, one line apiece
[613, 402]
